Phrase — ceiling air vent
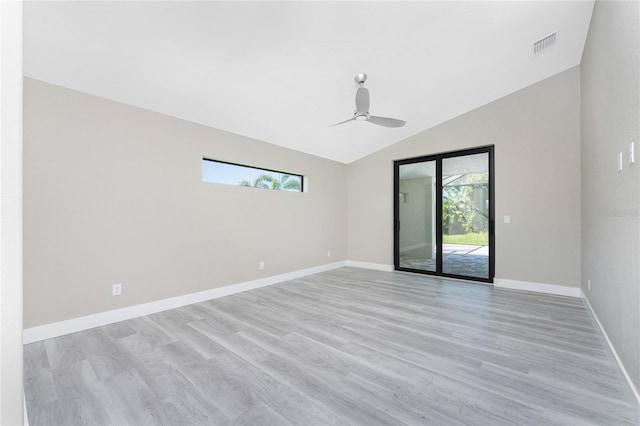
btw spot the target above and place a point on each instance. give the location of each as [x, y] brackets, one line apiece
[544, 44]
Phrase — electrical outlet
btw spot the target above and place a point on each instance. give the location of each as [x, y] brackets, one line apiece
[261, 265]
[328, 253]
[116, 289]
[589, 285]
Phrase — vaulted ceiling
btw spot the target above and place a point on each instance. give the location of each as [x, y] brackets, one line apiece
[283, 72]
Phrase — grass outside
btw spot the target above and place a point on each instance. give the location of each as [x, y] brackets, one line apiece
[479, 239]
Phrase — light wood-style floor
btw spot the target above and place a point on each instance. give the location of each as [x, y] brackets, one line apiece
[349, 347]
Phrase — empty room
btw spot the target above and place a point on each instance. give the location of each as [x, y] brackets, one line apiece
[320, 213]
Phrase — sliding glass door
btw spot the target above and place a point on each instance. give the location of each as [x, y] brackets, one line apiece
[416, 211]
[444, 214]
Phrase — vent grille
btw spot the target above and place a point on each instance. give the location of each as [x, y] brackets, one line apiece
[544, 44]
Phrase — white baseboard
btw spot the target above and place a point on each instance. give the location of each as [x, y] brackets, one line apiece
[367, 265]
[48, 331]
[558, 290]
[615, 354]
[25, 419]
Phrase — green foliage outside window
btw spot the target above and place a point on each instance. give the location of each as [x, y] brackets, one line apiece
[465, 205]
[286, 182]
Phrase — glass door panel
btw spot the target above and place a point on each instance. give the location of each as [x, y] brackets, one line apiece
[443, 212]
[465, 215]
[417, 212]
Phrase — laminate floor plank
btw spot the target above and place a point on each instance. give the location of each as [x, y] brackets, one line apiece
[151, 366]
[132, 402]
[344, 347]
[259, 414]
[148, 330]
[350, 410]
[37, 375]
[401, 404]
[280, 398]
[232, 342]
[80, 397]
[193, 408]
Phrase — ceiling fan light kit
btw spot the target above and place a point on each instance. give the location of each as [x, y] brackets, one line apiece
[362, 107]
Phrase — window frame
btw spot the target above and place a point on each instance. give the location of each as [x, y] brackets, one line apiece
[262, 169]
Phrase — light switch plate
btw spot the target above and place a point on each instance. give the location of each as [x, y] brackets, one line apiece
[116, 289]
[632, 154]
[620, 161]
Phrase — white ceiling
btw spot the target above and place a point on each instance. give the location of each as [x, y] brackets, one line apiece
[282, 72]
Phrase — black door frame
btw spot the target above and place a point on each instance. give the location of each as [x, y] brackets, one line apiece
[489, 149]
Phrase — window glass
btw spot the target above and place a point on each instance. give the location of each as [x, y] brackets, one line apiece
[237, 174]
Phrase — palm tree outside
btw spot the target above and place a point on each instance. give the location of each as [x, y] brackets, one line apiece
[286, 182]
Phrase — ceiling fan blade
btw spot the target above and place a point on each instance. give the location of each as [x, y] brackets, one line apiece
[385, 121]
[362, 100]
[345, 121]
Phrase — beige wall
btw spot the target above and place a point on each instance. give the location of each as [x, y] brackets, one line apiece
[611, 199]
[536, 133]
[113, 194]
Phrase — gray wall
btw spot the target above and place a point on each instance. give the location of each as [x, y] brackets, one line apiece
[611, 199]
[11, 396]
[113, 194]
[536, 133]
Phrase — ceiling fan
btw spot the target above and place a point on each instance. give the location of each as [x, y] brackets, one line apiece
[362, 108]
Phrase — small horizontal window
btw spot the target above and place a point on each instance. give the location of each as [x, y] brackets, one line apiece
[237, 174]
